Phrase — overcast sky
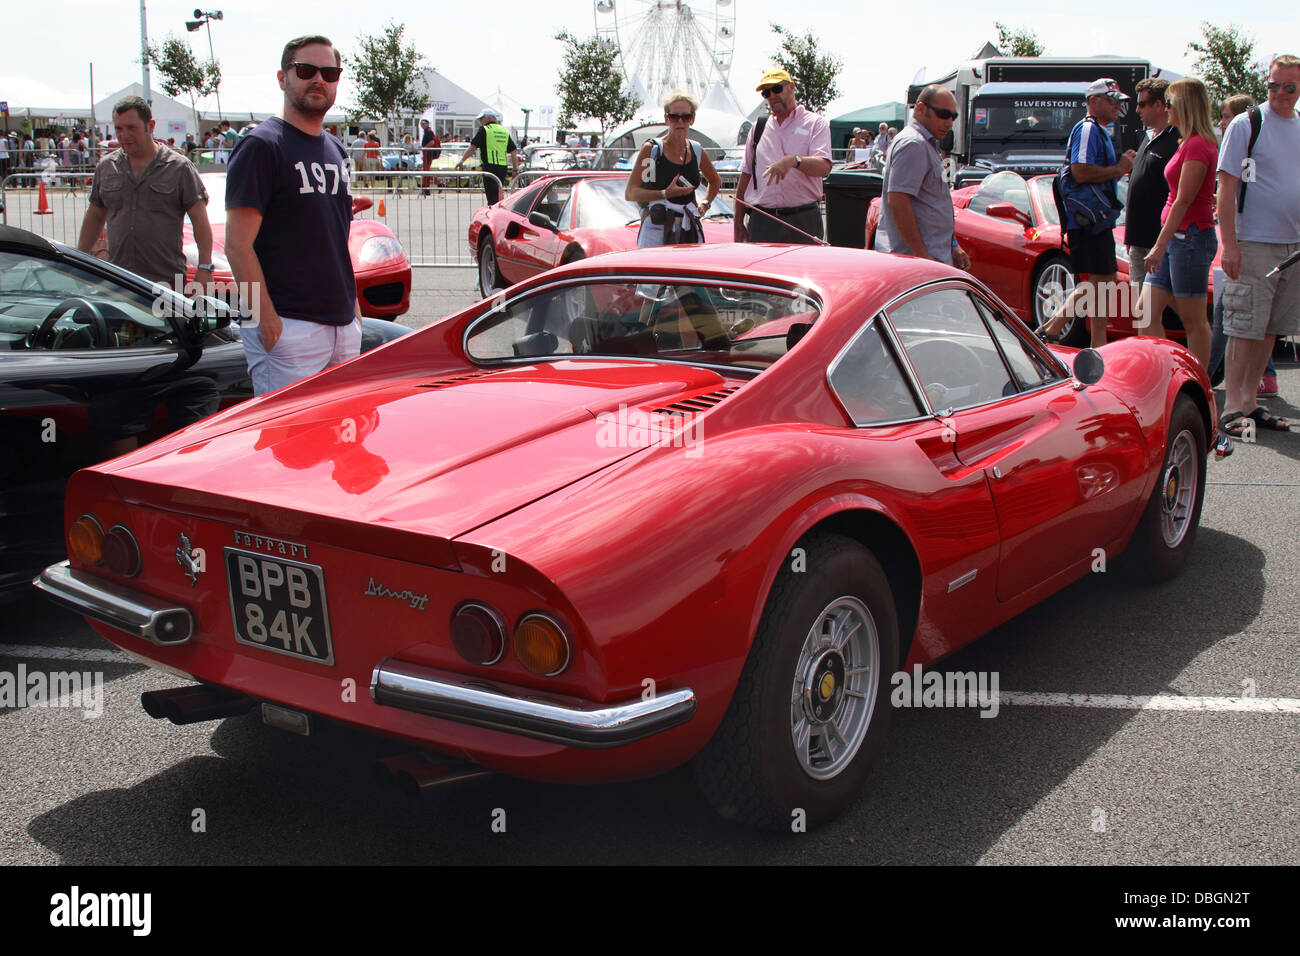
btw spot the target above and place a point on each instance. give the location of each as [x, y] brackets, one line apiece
[507, 44]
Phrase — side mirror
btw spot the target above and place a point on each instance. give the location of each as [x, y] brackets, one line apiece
[209, 314]
[1004, 210]
[1089, 366]
[361, 204]
[543, 221]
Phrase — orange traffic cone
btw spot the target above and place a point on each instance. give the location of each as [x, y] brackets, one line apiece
[43, 204]
[382, 211]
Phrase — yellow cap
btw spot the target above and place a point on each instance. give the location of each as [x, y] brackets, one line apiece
[772, 77]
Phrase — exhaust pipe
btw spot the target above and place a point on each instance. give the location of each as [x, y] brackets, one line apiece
[419, 773]
[191, 705]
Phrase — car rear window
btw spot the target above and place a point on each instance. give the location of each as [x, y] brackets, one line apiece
[723, 324]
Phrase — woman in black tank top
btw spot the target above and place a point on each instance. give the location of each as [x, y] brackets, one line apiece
[664, 179]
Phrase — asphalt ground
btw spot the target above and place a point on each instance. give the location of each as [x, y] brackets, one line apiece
[1086, 777]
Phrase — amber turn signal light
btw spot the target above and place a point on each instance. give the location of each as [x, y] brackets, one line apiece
[541, 645]
[478, 633]
[86, 540]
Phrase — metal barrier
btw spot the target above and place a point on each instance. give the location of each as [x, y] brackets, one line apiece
[431, 223]
[66, 195]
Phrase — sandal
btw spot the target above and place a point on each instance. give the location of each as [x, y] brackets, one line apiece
[1264, 420]
[1234, 423]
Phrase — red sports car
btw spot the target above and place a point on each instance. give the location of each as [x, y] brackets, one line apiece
[382, 270]
[680, 503]
[562, 218]
[1009, 228]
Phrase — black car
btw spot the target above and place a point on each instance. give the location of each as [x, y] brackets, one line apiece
[95, 360]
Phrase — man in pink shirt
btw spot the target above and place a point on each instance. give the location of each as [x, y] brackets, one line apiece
[781, 176]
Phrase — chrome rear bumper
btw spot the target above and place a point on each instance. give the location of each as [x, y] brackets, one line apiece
[422, 690]
[141, 615]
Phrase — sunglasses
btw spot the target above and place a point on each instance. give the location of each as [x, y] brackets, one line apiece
[1287, 88]
[778, 90]
[941, 112]
[679, 116]
[1141, 103]
[305, 71]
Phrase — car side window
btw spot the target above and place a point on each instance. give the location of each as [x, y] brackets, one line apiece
[522, 203]
[554, 199]
[955, 358]
[869, 383]
[48, 304]
[1027, 366]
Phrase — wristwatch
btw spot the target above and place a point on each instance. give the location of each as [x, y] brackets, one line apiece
[798, 161]
[203, 265]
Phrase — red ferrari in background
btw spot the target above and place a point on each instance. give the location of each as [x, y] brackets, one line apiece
[563, 218]
[687, 503]
[382, 270]
[1009, 228]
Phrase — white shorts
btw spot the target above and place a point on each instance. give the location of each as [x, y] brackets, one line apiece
[303, 349]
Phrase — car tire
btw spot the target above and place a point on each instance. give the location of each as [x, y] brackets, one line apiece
[769, 764]
[489, 273]
[1053, 281]
[1167, 531]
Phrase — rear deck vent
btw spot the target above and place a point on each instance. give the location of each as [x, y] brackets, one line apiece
[689, 407]
[456, 379]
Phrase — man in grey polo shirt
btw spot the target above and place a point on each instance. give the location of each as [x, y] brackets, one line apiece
[143, 191]
[916, 215]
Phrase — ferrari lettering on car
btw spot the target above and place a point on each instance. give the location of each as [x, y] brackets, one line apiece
[894, 466]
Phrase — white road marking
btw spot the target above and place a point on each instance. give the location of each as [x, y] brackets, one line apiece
[1253, 705]
[90, 655]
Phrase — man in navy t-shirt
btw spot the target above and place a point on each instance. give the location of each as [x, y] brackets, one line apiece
[289, 209]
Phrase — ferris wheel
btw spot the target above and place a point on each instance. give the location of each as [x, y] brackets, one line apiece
[667, 45]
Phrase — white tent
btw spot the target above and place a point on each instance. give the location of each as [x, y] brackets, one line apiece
[167, 113]
[31, 97]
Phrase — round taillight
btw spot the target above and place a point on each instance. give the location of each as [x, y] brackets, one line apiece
[541, 645]
[121, 551]
[478, 633]
[86, 540]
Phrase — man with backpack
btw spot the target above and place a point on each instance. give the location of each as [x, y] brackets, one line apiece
[1092, 207]
[1259, 221]
[786, 158]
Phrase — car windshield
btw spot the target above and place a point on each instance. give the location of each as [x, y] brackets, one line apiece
[1027, 116]
[602, 204]
[721, 324]
[215, 184]
[1042, 185]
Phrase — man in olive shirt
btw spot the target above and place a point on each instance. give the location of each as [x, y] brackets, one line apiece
[143, 191]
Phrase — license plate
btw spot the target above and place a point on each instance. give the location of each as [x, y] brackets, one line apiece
[279, 605]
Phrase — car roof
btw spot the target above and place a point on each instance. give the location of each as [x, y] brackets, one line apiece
[838, 275]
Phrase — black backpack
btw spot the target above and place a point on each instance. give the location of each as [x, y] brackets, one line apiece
[1094, 209]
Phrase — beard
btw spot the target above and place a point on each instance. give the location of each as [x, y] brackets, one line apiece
[312, 105]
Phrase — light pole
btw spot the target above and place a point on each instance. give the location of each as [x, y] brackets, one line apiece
[200, 18]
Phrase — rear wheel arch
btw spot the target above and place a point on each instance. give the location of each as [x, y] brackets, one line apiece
[886, 541]
[1197, 395]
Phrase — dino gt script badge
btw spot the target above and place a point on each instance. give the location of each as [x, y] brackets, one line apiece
[185, 558]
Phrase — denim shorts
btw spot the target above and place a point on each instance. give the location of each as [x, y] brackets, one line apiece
[1185, 269]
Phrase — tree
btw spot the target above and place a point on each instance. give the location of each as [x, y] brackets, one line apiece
[182, 72]
[388, 77]
[1018, 42]
[1226, 63]
[813, 74]
[592, 85]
